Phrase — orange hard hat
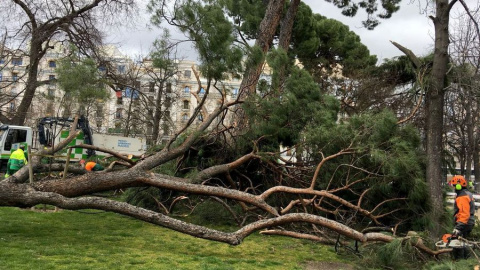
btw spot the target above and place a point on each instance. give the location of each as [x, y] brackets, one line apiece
[458, 181]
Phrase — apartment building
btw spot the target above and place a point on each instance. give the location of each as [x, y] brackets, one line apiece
[139, 93]
[12, 79]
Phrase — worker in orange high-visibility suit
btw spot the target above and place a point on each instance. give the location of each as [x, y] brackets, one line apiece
[91, 165]
[464, 213]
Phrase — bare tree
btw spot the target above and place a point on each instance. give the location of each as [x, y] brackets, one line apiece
[154, 80]
[435, 100]
[462, 97]
[36, 25]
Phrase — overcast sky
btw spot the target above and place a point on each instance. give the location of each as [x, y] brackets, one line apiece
[408, 27]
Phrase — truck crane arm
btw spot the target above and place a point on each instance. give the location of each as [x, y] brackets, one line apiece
[45, 137]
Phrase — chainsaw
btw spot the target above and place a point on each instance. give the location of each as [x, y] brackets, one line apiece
[451, 241]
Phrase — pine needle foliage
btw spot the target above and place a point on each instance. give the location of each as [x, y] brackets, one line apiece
[81, 80]
[281, 117]
[207, 24]
[391, 154]
[392, 255]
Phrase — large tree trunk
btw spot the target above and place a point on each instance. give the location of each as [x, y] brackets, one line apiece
[264, 41]
[35, 54]
[286, 28]
[470, 140]
[476, 146]
[476, 161]
[287, 25]
[434, 112]
[268, 26]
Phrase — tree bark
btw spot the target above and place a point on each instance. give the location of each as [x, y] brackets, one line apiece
[35, 55]
[470, 141]
[434, 101]
[286, 28]
[476, 160]
[268, 26]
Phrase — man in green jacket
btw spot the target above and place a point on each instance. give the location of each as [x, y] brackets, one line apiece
[17, 161]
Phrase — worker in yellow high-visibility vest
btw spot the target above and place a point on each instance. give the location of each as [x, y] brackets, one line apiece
[17, 161]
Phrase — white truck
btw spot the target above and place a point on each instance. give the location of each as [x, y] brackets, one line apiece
[50, 131]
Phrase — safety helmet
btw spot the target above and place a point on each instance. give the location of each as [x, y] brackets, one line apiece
[458, 182]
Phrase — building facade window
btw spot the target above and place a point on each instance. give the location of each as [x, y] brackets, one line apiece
[50, 109]
[52, 64]
[17, 61]
[168, 102]
[151, 87]
[99, 110]
[1, 76]
[185, 117]
[131, 93]
[121, 69]
[186, 90]
[119, 94]
[187, 73]
[51, 79]
[202, 91]
[14, 77]
[118, 113]
[166, 129]
[137, 85]
[11, 106]
[186, 105]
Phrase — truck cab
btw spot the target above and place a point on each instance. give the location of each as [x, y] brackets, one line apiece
[10, 137]
[52, 130]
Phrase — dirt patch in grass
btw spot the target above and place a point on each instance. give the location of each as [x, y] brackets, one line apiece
[328, 266]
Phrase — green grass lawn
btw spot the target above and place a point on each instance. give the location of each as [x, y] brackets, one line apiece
[98, 240]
